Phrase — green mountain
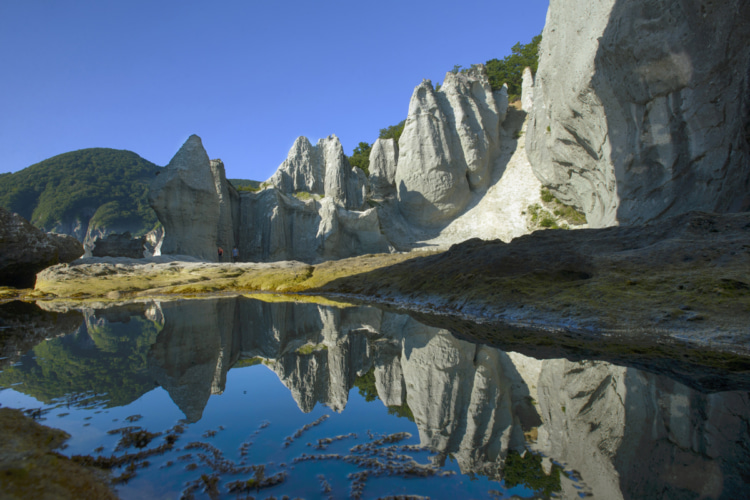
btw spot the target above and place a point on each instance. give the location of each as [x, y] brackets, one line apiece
[82, 191]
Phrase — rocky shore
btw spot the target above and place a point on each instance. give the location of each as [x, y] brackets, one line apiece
[683, 280]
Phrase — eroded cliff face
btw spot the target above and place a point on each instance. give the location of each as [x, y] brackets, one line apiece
[273, 226]
[641, 108]
[194, 203]
[321, 169]
[448, 146]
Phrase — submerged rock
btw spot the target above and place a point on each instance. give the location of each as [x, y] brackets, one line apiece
[25, 250]
[30, 468]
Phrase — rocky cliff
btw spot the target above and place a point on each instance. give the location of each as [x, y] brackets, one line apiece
[641, 108]
[448, 146]
[457, 145]
[194, 203]
[321, 169]
[26, 250]
[647, 118]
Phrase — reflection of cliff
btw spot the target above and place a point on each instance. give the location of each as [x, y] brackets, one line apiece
[628, 433]
[104, 360]
[194, 350]
[23, 325]
[632, 433]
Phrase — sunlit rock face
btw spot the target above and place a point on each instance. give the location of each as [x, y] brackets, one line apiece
[648, 115]
[449, 144]
[194, 203]
[321, 169]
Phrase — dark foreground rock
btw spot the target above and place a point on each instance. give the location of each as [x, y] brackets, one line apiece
[30, 468]
[25, 250]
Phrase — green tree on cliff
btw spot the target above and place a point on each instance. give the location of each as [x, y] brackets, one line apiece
[510, 69]
[361, 157]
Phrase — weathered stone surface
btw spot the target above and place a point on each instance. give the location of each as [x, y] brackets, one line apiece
[448, 145]
[383, 161]
[321, 169]
[274, 227]
[25, 250]
[229, 209]
[191, 199]
[119, 245]
[648, 117]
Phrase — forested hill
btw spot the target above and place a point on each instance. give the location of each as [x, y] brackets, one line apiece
[98, 187]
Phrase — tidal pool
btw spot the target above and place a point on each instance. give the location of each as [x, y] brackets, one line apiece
[243, 398]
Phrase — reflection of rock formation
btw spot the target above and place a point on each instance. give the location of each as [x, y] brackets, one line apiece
[631, 433]
[23, 325]
[463, 397]
[194, 350]
[628, 433]
[95, 358]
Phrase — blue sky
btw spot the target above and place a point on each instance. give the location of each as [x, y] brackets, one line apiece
[248, 77]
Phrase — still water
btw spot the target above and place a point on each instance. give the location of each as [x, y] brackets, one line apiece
[243, 398]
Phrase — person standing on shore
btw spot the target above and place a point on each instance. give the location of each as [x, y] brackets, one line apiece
[235, 254]
[221, 253]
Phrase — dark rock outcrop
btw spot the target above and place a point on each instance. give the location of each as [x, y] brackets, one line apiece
[26, 250]
[119, 245]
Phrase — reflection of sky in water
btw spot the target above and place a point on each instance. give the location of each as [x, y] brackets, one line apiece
[255, 395]
[617, 432]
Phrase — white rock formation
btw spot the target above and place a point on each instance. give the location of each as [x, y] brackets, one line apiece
[450, 141]
[192, 201]
[648, 115]
[321, 169]
[383, 162]
[274, 227]
[500, 212]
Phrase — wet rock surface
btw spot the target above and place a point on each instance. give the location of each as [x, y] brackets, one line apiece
[30, 468]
